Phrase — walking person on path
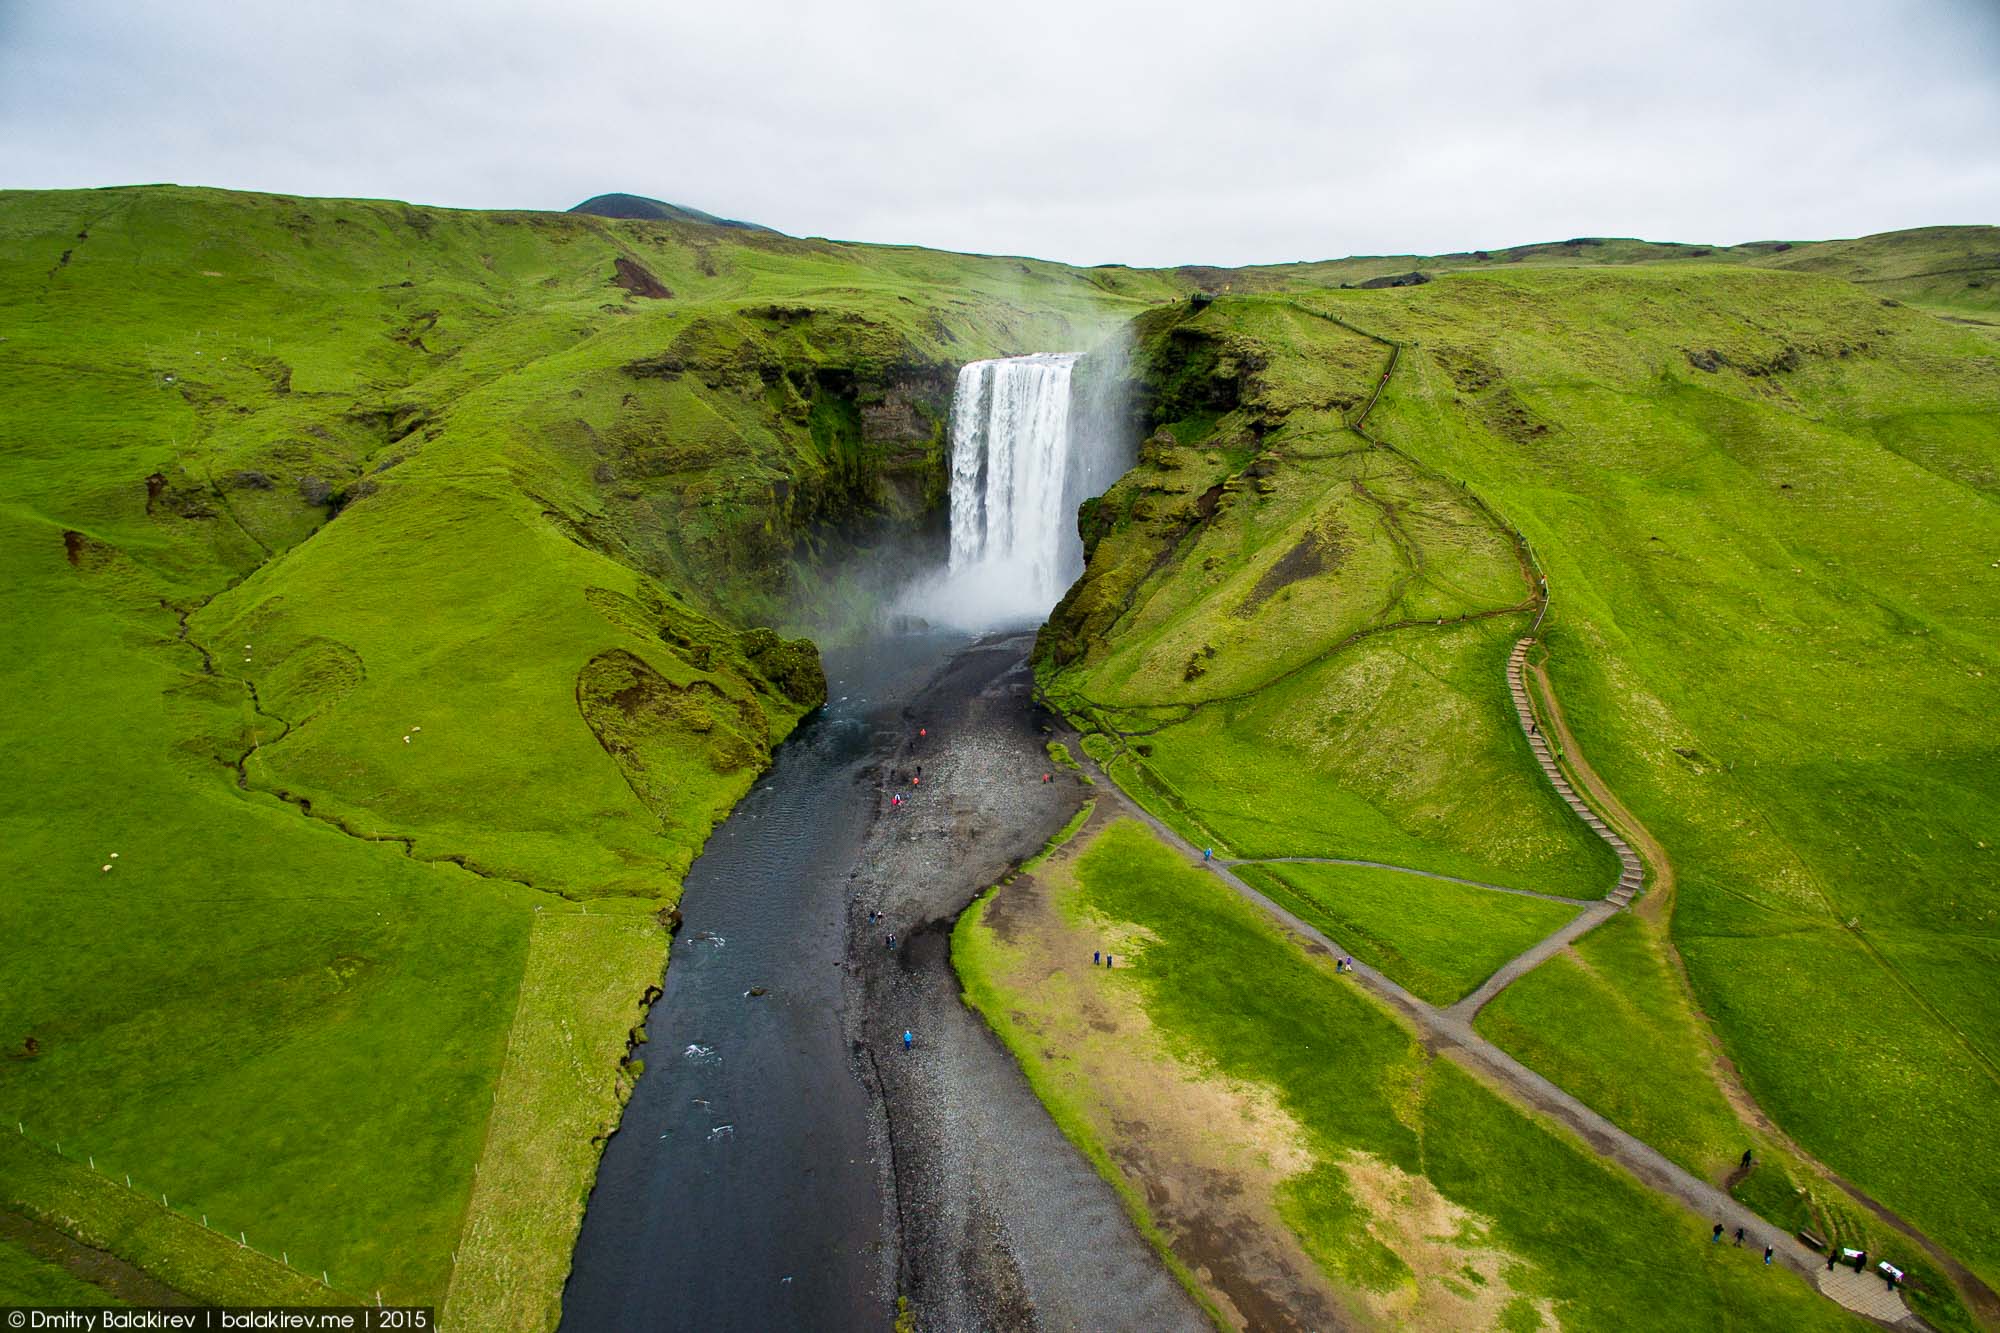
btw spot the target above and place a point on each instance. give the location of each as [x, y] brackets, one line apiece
[1739, 1237]
[1096, 957]
[1769, 1250]
[1746, 1159]
[1715, 1237]
[908, 1038]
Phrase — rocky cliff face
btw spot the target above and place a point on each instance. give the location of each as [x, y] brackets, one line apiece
[1184, 369]
[766, 457]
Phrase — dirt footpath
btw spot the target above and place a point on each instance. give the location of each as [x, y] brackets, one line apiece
[1000, 1222]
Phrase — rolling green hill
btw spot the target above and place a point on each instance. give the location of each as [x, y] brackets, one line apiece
[658, 210]
[1954, 269]
[1764, 503]
[397, 596]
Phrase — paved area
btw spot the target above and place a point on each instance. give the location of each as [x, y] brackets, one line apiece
[1866, 1293]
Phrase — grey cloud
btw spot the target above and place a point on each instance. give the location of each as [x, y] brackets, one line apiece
[1258, 131]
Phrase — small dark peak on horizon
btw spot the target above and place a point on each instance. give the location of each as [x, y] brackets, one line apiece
[639, 206]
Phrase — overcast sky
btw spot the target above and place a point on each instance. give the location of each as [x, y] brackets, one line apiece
[1233, 131]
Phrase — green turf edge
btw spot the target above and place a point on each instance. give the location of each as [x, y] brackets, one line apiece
[176, 1249]
[1062, 835]
[970, 960]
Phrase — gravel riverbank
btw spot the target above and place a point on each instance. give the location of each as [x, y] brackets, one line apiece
[999, 1222]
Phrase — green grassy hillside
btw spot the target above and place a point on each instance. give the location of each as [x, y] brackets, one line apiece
[1296, 634]
[1765, 505]
[380, 579]
[1775, 621]
[397, 596]
[1955, 270]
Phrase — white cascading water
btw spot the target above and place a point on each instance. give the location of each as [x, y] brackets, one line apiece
[1024, 454]
[1010, 475]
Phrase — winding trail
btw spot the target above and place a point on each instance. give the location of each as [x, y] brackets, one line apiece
[1449, 1033]
[1631, 873]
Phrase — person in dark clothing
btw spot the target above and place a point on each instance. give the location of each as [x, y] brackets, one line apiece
[1739, 1236]
[1715, 1237]
[1746, 1159]
[1769, 1250]
[1096, 957]
[1831, 1255]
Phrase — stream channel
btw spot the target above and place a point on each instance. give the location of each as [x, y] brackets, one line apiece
[743, 1187]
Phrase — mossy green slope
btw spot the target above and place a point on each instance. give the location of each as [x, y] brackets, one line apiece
[1774, 625]
[1299, 634]
[1764, 502]
[379, 577]
[1435, 938]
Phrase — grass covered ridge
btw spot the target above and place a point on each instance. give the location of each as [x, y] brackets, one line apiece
[1764, 502]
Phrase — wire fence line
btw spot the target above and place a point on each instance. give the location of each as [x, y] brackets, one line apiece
[124, 1181]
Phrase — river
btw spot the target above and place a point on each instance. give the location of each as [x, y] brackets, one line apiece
[743, 1189]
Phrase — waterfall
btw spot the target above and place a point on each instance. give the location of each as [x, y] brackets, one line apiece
[1014, 481]
[1028, 445]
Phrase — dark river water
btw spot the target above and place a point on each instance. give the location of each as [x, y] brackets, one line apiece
[740, 1191]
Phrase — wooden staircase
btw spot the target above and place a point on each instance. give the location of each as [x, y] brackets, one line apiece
[1631, 872]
